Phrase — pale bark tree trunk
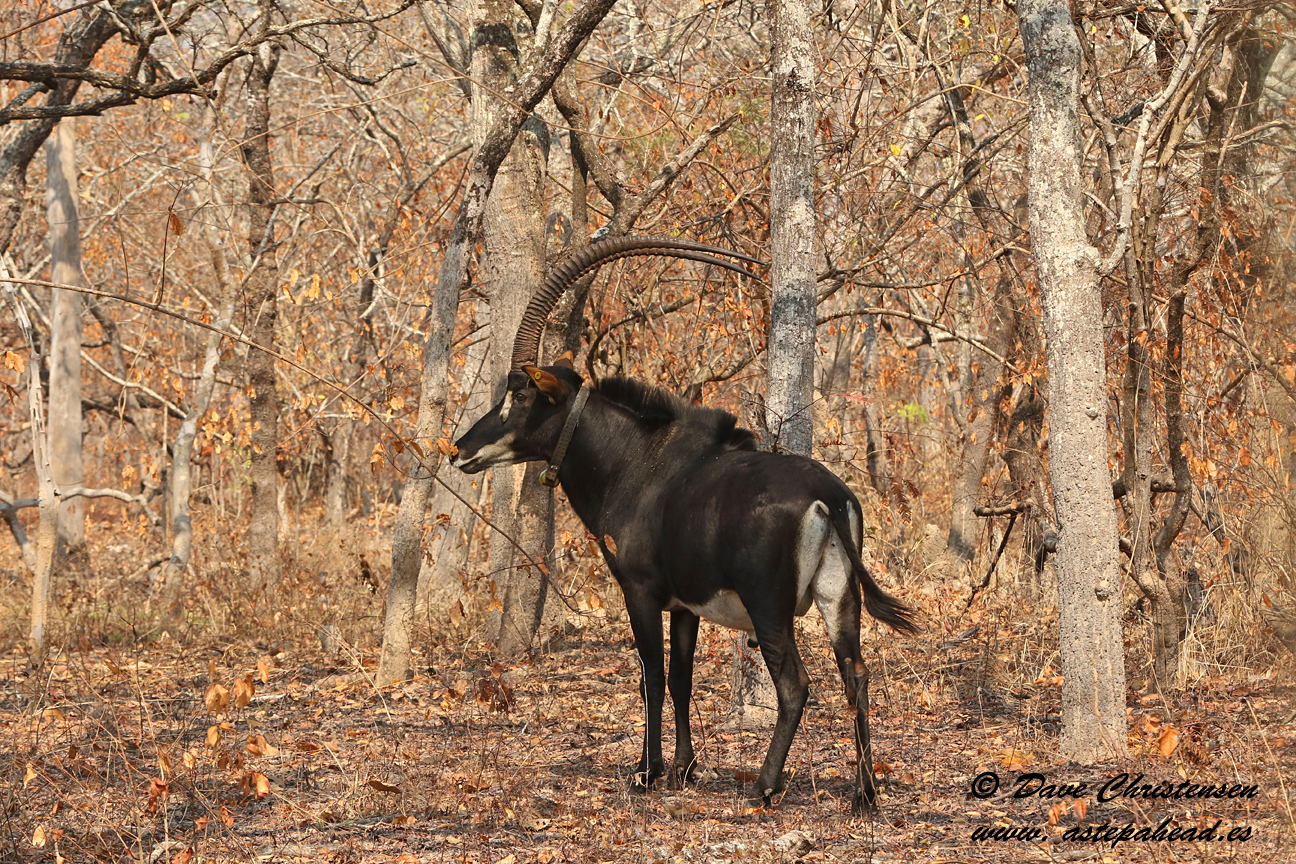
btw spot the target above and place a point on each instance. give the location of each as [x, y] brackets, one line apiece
[876, 456]
[793, 310]
[47, 533]
[171, 601]
[513, 231]
[337, 451]
[792, 226]
[978, 429]
[450, 540]
[981, 383]
[407, 538]
[1089, 578]
[65, 335]
[262, 307]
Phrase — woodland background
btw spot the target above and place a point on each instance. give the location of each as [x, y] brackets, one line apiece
[292, 173]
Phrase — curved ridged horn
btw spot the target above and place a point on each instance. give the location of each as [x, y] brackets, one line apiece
[526, 345]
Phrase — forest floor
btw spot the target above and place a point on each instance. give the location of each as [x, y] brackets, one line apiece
[244, 751]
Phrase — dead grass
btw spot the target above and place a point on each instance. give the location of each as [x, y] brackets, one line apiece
[113, 754]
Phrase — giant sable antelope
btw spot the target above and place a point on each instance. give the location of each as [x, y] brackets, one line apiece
[692, 520]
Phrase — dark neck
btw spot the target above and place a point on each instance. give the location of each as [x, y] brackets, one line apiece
[609, 453]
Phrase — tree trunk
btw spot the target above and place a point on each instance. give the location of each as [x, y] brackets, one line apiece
[64, 432]
[47, 533]
[979, 426]
[1089, 578]
[789, 406]
[791, 346]
[407, 538]
[513, 266]
[876, 457]
[337, 450]
[171, 601]
[263, 533]
[450, 541]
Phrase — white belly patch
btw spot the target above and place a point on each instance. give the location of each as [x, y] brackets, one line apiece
[724, 609]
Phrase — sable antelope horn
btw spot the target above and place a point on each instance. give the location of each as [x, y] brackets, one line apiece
[526, 346]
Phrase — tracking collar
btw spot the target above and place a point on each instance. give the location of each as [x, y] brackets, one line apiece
[550, 475]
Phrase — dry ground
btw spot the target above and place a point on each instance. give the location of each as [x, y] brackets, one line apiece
[128, 753]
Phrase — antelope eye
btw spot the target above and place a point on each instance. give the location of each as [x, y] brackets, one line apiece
[521, 396]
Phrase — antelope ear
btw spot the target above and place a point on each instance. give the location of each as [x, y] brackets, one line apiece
[547, 383]
[568, 359]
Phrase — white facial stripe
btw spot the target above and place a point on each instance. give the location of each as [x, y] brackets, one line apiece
[495, 452]
[508, 403]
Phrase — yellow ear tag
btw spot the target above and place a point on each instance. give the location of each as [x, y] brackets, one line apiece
[537, 376]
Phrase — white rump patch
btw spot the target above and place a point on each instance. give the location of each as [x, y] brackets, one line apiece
[831, 586]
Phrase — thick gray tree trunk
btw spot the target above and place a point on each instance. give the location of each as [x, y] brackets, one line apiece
[64, 433]
[1089, 577]
[789, 404]
[791, 347]
[449, 541]
[407, 539]
[262, 291]
[513, 266]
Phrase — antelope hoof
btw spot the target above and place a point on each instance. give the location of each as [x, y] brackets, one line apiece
[680, 777]
[762, 794]
[642, 779]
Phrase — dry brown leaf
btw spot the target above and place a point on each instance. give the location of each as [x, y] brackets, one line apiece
[254, 782]
[262, 784]
[157, 791]
[244, 690]
[1015, 760]
[213, 736]
[38, 836]
[609, 543]
[263, 669]
[1168, 741]
[383, 787]
[1081, 807]
[30, 775]
[54, 714]
[258, 746]
[217, 699]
